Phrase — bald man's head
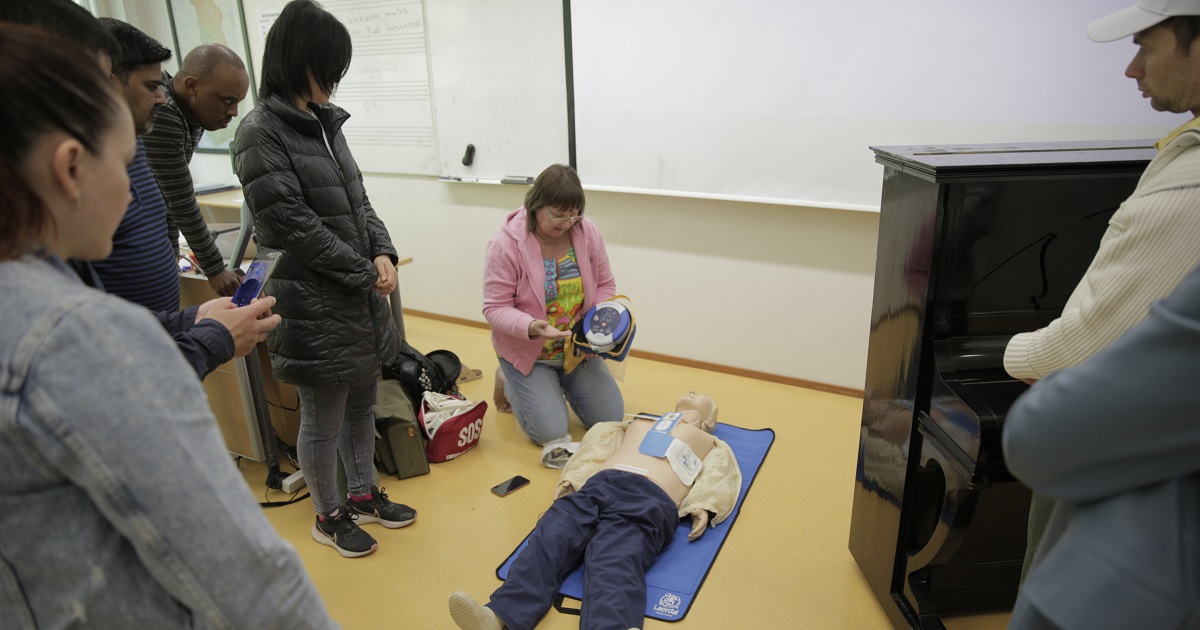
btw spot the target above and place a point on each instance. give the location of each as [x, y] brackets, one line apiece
[210, 84]
[206, 58]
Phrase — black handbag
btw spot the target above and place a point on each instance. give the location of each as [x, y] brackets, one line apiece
[418, 373]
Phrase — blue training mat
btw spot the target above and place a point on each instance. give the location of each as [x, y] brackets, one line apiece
[676, 575]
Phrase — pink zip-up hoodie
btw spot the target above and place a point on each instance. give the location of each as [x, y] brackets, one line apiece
[513, 276]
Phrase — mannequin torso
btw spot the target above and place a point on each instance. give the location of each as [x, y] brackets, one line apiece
[658, 469]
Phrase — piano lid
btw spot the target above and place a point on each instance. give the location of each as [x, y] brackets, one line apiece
[942, 162]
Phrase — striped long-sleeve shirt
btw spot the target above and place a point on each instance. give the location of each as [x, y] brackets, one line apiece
[142, 267]
[169, 148]
[1152, 242]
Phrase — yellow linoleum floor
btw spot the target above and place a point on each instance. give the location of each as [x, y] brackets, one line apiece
[784, 565]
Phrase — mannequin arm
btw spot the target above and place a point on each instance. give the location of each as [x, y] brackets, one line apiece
[717, 488]
[699, 523]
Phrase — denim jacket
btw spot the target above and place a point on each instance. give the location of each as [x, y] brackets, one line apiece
[119, 506]
[206, 344]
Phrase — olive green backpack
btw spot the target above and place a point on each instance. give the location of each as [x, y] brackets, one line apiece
[399, 442]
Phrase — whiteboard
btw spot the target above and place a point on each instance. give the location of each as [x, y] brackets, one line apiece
[500, 85]
[388, 89]
[780, 100]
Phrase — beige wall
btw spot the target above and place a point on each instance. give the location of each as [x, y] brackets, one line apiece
[778, 289]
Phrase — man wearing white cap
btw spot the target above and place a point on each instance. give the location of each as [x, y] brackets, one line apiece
[1152, 242]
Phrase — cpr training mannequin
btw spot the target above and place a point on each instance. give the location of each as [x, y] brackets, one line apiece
[616, 507]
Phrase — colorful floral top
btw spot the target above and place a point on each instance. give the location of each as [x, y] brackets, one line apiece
[564, 300]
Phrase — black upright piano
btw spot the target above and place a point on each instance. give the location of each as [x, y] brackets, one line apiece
[976, 244]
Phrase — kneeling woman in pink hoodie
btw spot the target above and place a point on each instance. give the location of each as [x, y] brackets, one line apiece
[546, 266]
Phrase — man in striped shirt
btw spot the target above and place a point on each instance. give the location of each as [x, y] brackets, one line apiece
[1153, 239]
[203, 95]
[142, 267]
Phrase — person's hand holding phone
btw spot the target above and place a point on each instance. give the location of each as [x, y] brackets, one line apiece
[247, 324]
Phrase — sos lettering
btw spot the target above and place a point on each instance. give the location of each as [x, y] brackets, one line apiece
[470, 433]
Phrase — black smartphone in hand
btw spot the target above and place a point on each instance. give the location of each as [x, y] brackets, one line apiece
[510, 486]
[255, 279]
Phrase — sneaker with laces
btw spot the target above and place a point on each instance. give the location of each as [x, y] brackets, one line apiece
[378, 509]
[339, 531]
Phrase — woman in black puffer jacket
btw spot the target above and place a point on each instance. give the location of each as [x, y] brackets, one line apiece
[337, 268]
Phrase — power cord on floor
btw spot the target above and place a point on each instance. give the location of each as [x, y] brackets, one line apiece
[290, 452]
[275, 476]
[268, 503]
[292, 498]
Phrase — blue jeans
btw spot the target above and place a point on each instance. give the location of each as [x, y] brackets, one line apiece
[617, 523]
[540, 400]
[332, 420]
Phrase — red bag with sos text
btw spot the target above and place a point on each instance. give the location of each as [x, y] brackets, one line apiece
[451, 423]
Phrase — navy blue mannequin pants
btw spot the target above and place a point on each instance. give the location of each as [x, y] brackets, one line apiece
[617, 523]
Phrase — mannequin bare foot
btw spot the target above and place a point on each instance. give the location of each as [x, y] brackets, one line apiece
[498, 398]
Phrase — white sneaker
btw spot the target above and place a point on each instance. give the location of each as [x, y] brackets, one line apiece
[469, 615]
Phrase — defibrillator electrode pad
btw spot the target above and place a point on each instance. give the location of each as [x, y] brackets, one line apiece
[660, 443]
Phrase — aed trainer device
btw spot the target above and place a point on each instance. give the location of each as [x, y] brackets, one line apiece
[605, 325]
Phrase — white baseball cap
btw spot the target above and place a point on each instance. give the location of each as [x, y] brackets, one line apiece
[1135, 19]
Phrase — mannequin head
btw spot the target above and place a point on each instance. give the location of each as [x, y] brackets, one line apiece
[698, 410]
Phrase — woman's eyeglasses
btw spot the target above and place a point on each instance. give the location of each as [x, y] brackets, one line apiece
[560, 220]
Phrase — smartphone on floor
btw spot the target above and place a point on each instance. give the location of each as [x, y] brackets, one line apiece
[256, 278]
[510, 486]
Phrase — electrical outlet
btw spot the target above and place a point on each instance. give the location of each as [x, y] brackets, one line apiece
[293, 483]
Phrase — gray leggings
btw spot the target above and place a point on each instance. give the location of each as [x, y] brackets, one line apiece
[333, 420]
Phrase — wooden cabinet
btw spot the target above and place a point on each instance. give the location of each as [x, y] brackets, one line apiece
[228, 387]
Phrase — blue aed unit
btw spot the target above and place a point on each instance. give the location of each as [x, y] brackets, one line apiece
[607, 327]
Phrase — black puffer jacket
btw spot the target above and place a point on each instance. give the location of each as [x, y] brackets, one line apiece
[312, 208]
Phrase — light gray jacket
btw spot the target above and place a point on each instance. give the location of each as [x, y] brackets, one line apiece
[119, 505]
[1116, 440]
